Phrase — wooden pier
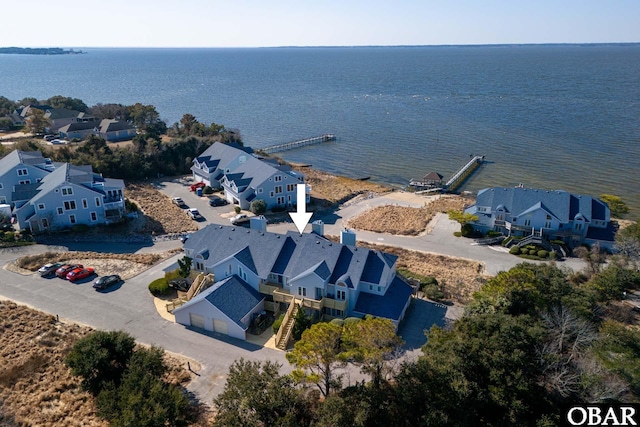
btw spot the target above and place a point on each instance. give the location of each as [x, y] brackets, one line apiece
[463, 173]
[300, 143]
[429, 184]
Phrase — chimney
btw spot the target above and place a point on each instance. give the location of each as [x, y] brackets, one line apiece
[317, 227]
[258, 223]
[347, 237]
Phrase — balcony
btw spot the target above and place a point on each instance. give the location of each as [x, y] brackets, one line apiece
[281, 295]
[113, 204]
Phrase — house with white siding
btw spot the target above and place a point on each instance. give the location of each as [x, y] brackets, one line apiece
[244, 177]
[326, 279]
[544, 215]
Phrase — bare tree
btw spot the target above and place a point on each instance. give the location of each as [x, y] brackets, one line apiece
[594, 257]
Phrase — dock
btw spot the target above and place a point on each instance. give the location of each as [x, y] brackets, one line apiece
[300, 143]
[433, 182]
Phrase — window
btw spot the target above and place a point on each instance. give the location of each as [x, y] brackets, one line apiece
[70, 205]
[45, 223]
[547, 224]
[339, 313]
[260, 190]
[60, 211]
[548, 217]
[25, 181]
[97, 201]
[291, 187]
[72, 219]
[84, 204]
[94, 216]
[67, 191]
[341, 295]
[199, 266]
[527, 222]
[40, 206]
[23, 172]
[271, 194]
[277, 189]
[302, 291]
[3, 199]
[578, 226]
[281, 200]
[277, 178]
[1, 187]
[242, 273]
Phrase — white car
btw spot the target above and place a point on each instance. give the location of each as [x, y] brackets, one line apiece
[58, 142]
[194, 214]
[178, 201]
[239, 219]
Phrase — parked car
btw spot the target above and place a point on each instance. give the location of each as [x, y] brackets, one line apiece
[79, 273]
[49, 269]
[185, 237]
[58, 142]
[178, 201]
[65, 268]
[197, 185]
[194, 214]
[217, 201]
[105, 282]
[180, 284]
[239, 219]
[49, 137]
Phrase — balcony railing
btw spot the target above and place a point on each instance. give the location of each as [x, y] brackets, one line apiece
[282, 295]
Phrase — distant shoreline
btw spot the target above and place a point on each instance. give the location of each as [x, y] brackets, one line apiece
[38, 51]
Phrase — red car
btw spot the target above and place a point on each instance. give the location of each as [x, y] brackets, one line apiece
[197, 185]
[79, 273]
[62, 271]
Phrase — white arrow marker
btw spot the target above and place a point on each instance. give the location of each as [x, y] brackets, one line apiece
[301, 217]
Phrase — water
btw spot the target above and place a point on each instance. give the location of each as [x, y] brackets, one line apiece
[555, 117]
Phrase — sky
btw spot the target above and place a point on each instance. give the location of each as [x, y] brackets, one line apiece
[265, 23]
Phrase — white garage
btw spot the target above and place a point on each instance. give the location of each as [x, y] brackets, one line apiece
[227, 307]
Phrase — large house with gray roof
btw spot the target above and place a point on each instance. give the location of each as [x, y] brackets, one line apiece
[328, 279]
[47, 196]
[544, 214]
[245, 177]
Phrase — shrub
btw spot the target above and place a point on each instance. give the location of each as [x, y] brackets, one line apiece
[9, 236]
[207, 190]
[258, 206]
[276, 209]
[130, 206]
[159, 287]
[237, 209]
[173, 274]
[457, 234]
[79, 228]
[433, 291]
[277, 323]
[553, 255]
[543, 254]
[337, 321]
[467, 230]
[493, 233]
[515, 250]
[351, 320]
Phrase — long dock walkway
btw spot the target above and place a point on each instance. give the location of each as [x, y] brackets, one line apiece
[463, 173]
[300, 143]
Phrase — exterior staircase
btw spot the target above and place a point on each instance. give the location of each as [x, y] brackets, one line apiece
[286, 328]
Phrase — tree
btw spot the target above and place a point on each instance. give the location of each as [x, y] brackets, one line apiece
[462, 217]
[188, 122]
[316, 357]
[60, 101]
[36, 121]
[109, 111]
[5, 123]
[594, 257]
[255, 394]
[6, 106]
[372, 344]
[147, 118]
[301, 323]
[184, 265]
[100, 357]
[258, 206]
[617, 206]
[143, 398]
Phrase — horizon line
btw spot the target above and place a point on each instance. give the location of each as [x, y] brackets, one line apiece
[336, 46]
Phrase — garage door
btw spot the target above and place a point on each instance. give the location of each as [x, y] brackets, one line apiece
[196, 320]
[220, 326]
